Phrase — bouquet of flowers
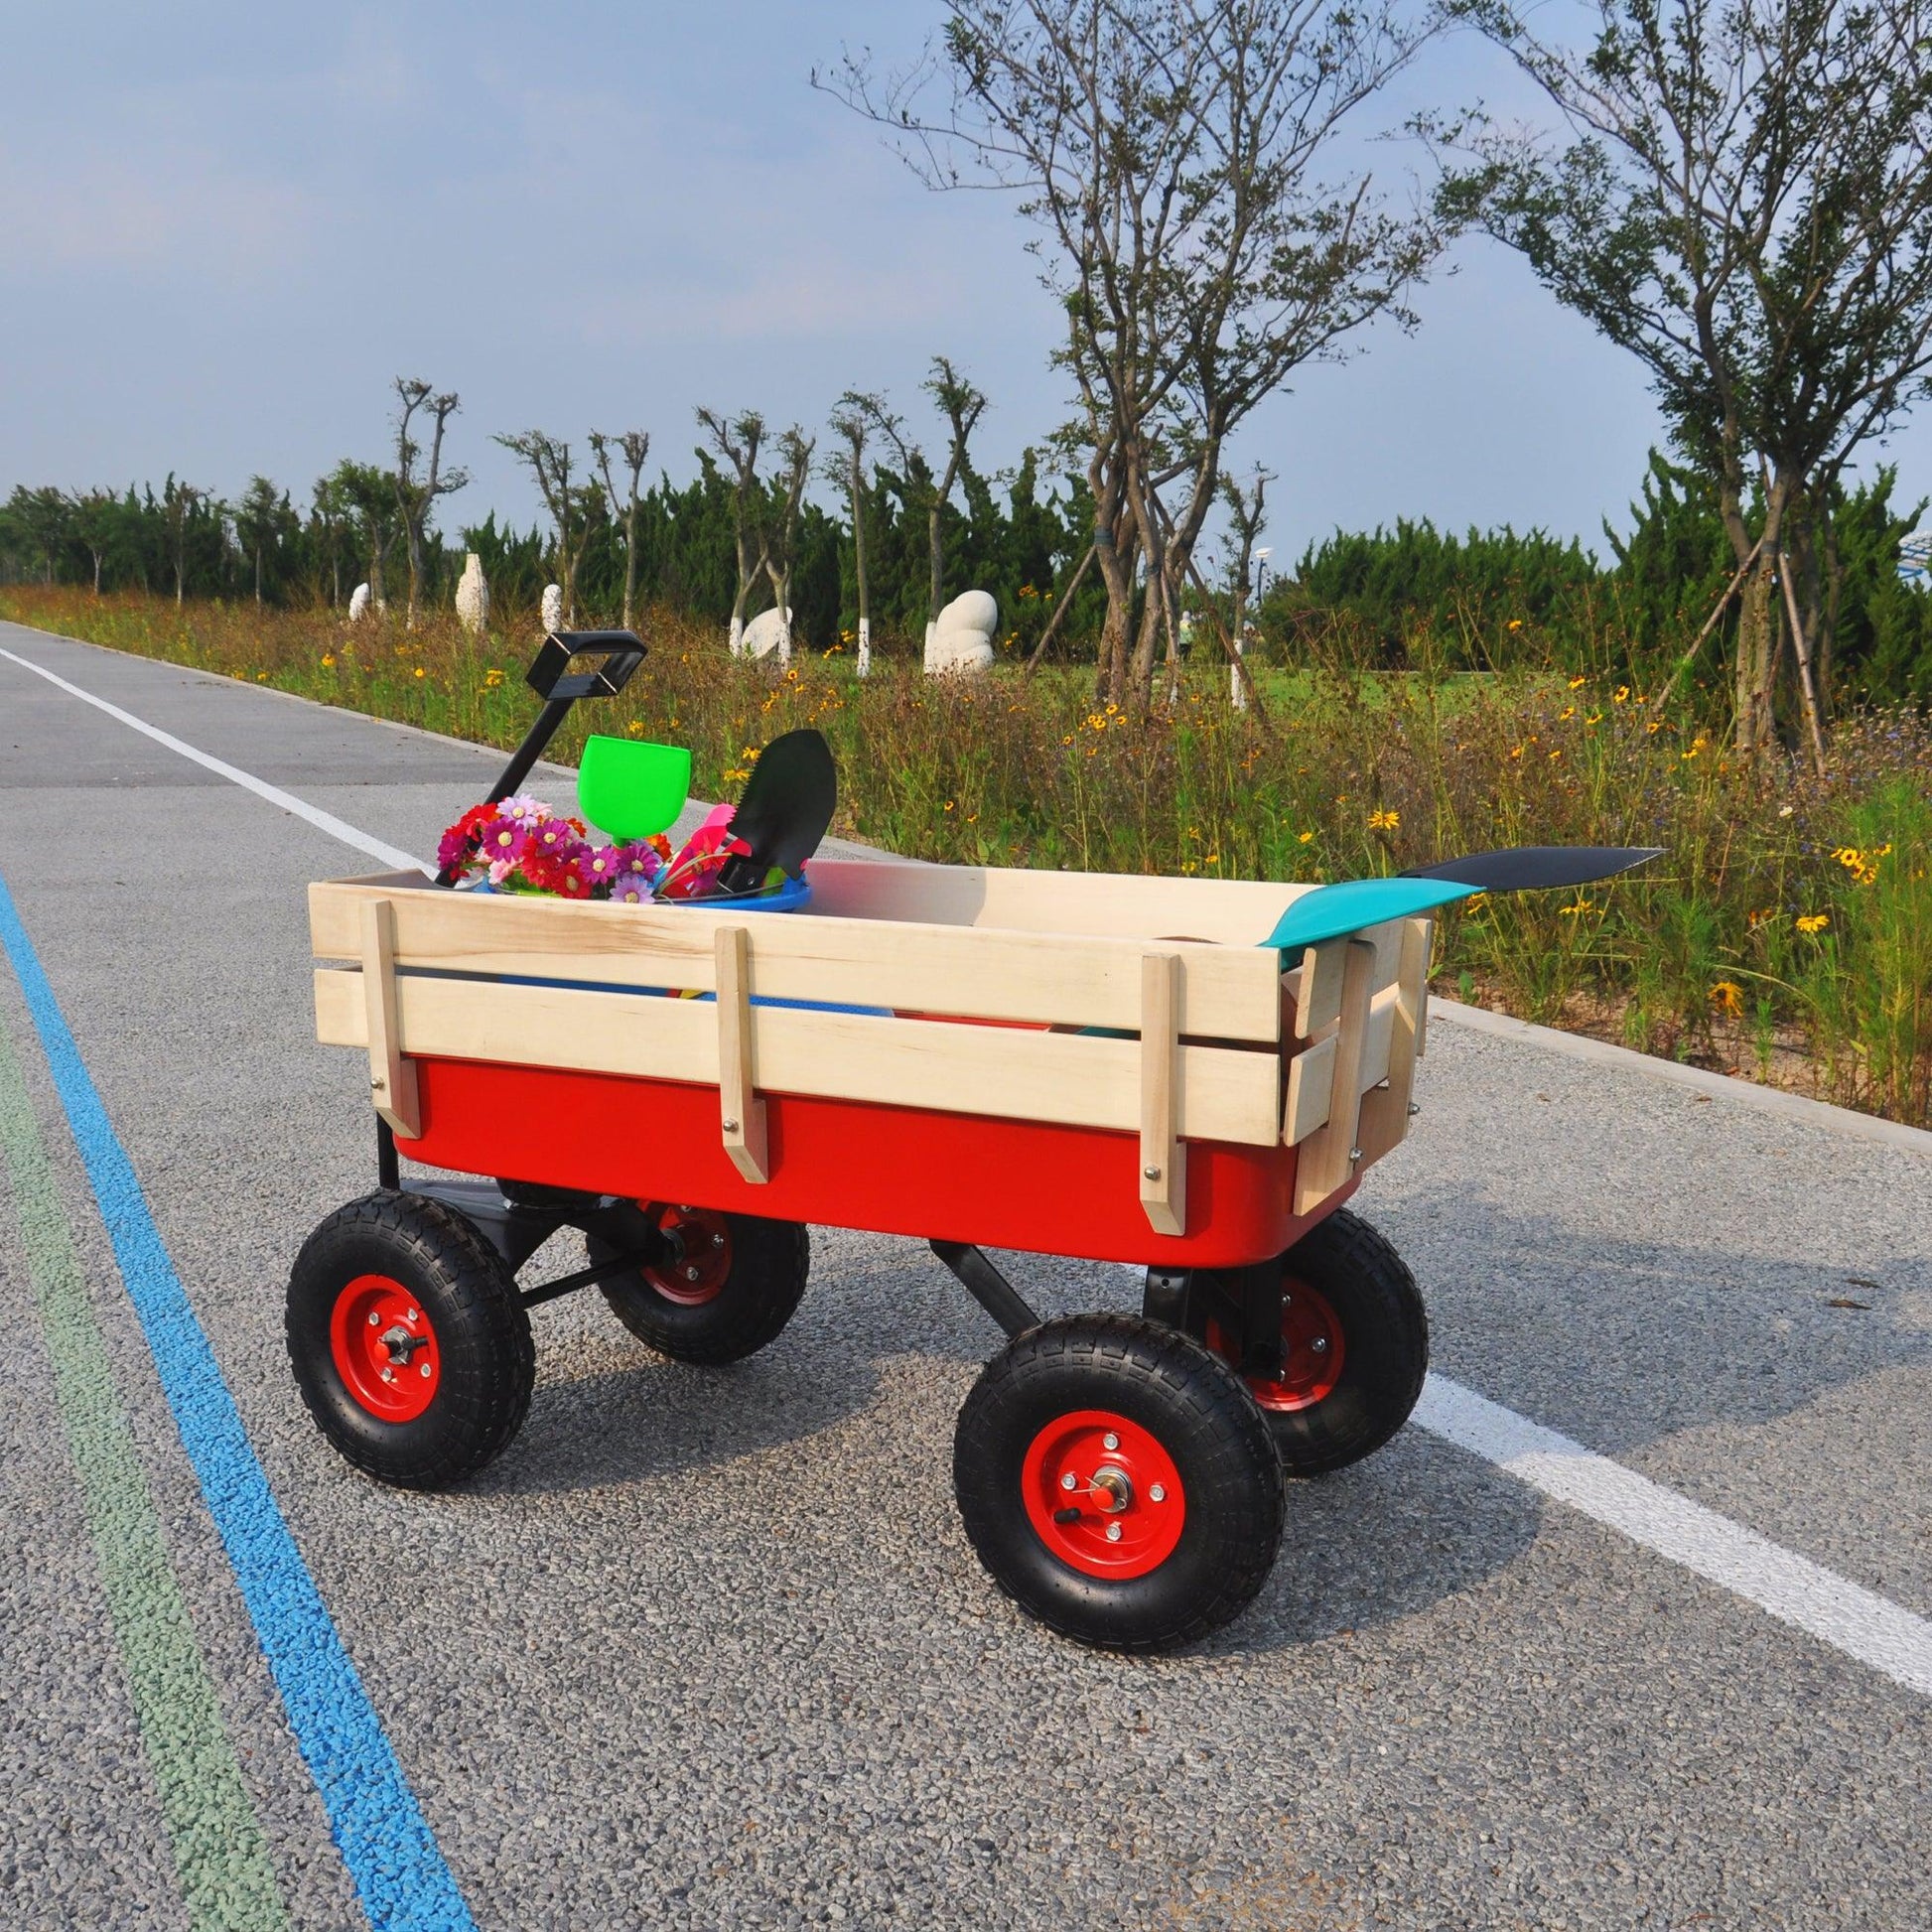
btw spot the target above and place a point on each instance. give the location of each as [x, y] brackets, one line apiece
[519, 845]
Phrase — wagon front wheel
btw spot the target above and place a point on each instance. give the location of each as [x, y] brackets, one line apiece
[408, 1342]
[1118, 1483]
[719, 1286]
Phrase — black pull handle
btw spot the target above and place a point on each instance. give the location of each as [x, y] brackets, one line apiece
[610, 659]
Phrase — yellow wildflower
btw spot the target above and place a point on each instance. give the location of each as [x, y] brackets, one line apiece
[1814, 922]
[1384, 821]
[1729, 997]
[328, 660]
[1577, 683]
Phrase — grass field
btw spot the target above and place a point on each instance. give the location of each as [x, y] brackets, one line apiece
[1786, 934]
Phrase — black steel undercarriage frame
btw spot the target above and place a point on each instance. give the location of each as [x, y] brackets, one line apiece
[517, 1218]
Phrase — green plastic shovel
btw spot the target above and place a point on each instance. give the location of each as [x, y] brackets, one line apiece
[632, 790]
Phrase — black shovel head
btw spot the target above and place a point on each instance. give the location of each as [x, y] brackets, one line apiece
[1531, 868]
[787, 803]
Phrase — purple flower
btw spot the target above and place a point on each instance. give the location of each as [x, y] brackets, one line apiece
[630, 889]
[504, 841]
[600, 865]
[523, 809]
[638, 856]
[552, 837]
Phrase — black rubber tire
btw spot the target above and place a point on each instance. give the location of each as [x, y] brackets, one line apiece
[1205, 1419]
[769, 1264]
[1385, 1348]
[482, 1334]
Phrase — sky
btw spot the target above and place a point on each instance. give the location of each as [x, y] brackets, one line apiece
[225, 228]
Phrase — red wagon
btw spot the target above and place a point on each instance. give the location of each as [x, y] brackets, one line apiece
[1075, 1065]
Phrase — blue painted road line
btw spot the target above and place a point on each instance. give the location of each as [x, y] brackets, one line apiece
[386, 1843]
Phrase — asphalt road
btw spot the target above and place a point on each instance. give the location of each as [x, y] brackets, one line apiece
[708, 1648]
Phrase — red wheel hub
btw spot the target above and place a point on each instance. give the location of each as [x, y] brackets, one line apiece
[384, 1348]
[1311, 1351]
[1103, 1494]
[702, 1245]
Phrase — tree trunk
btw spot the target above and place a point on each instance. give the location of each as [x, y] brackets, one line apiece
[415, 576]
[938, 554]
[1117, 573]
[859, 566]
[629, 562]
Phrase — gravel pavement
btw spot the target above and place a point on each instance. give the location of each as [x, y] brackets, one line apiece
[708, 1649]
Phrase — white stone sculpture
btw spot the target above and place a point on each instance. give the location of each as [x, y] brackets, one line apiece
[553, 607]
[960, 638]
[358, 603]
[473, 596]
[766, 632]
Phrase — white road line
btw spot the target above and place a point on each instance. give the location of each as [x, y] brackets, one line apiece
[323, 821]
[1831, 1607]
[1874, 1631]
[1870, 1628]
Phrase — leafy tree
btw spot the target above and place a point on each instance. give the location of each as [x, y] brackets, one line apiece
[42, 520]
[1744, 203]
[369, 496]
[265, 523]
[851, 421]
[1172, 154]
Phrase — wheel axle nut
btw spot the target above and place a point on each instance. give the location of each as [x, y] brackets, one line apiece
[1069, 1480]
[717, 1240]
[1157, 1492]
[424, 1371]
[1110, 1441]
[1113, 1532]
[691, 1274]
[1320, 1344]
[375, 1319]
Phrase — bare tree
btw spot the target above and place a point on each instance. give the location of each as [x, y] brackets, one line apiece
[416, 494]
[1171, 153]
[568, 506]
[1247, 518]
[636, 445]
[851, 422]
[795, 448]
[738, 441]
[1744, 203]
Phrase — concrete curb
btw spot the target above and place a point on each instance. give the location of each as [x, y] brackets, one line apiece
[1820, 1113]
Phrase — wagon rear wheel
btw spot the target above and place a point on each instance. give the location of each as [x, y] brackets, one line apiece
[409, 1345]
[1354, 1347]
[1117, 1481]
[723, 1286]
